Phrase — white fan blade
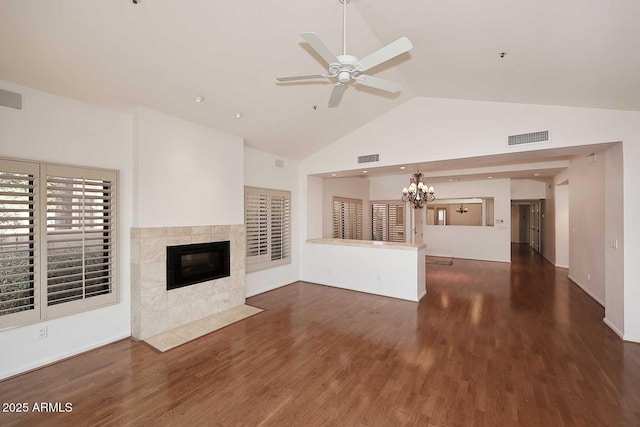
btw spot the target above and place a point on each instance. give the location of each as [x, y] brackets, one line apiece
[378, 83]
[294, 78]
[322, 49]
[386, 53]
[336, 94]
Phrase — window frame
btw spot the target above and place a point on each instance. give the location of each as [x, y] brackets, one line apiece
[263, 260]
[341, 224]
[384, 208]
[42, 311]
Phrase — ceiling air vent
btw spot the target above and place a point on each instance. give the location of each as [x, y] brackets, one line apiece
[369, 158]
[10, 100]
[528, 138]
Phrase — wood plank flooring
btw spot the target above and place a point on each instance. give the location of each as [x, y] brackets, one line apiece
[491, 344]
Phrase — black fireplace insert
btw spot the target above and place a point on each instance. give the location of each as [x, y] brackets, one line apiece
[191, 264]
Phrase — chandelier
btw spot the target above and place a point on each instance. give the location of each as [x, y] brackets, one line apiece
[462, 209]
[418, 193]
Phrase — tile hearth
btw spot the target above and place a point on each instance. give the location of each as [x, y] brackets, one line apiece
[183, 334]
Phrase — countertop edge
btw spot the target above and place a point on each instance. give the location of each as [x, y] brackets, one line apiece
[370, 244]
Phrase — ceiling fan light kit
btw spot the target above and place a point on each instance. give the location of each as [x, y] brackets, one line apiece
[348, 68]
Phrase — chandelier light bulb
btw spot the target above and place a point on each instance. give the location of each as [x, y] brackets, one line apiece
[405, 190]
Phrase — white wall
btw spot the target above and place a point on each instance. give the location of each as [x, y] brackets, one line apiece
[185, 173]
[393, 272]
[260, 171]
[55, 129]
[515, 224]
[614, 230]
[471, 242]
[313, 224]
[352, 188]
[549, 224]
[434, 129]
[519, 224]
[561, 199]
[528, 189]
[586, 221]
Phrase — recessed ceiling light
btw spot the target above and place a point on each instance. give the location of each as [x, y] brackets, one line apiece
[333, 174]
[239, 114]
[403, 167]
[450, 179]
[536, 174]
[365, 171]
[199, 99]
[490, 177]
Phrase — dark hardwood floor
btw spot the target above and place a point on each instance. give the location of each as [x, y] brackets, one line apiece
[491, 344]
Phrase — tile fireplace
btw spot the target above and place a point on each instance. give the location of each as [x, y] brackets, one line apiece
[154, 307]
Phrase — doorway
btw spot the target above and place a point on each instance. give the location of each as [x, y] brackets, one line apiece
[520, 223]
[526, 222]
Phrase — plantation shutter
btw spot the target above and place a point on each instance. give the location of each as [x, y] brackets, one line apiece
[379, 221]
[396, 222]
[347, 218]
[268, 228]
[256, 220]
[280, 226]
[80, 238]
[388, 221]
[19, 296]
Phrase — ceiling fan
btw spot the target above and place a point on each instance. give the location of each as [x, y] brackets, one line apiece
[347, 68]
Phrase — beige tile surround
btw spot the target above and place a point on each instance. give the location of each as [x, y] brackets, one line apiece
[154, 309]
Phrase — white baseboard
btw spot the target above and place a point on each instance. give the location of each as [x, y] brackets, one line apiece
[266, 289]
[549, 259]
[629, 338]
[471, 259]
[587, 291]
[613, 327]
[566, 267]
[422, 295]
[60, 357]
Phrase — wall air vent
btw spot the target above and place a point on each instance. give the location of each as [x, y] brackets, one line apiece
[279, 163]
[528, 138]
[10, 100]
[369, 158]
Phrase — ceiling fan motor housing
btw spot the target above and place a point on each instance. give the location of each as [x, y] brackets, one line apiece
[346, 67]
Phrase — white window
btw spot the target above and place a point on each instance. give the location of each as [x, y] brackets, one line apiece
[57, 240]
[388, 221]
[267, 218]
[347, 218]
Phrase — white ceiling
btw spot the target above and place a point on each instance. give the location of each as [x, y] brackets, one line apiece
[161, 54]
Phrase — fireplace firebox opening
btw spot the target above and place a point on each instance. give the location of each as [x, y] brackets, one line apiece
[196, 263]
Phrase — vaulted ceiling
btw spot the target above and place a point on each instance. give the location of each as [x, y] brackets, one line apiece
[162, 54]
